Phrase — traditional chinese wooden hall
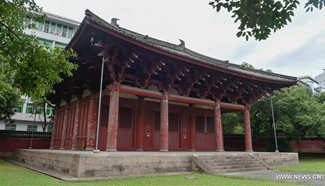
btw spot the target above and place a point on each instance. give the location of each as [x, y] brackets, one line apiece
[156, 96]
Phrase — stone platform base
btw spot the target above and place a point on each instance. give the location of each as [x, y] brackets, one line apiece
[86, 165]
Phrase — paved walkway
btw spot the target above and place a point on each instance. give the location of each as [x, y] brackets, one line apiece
[301, 178]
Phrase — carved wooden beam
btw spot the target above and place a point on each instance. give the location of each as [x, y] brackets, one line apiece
[110, 62]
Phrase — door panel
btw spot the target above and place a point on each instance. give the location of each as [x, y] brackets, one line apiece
[149, 131]
[205, 135]
[156, 138]
[125, 129]
[173, 131]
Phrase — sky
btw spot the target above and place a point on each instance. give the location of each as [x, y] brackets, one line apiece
[296, 50]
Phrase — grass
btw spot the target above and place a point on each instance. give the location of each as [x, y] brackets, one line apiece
[315, 165]
[14, 175]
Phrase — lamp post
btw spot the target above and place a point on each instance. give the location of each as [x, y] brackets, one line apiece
[274, 130]
[99, 103]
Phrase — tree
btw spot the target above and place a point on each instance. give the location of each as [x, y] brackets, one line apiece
[297, 112]
[247, 65]
[25, 64]
[233, 123]
[9, 97]
[321, 97]
[39, 110]
[258, 18]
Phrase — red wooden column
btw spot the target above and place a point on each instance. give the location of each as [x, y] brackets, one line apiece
[113, 116]
[193, 129]
[218, 126]
[164, 122]
[92, 122]
[248, 133]
[64, 126]
[75, 126]
[140, 124]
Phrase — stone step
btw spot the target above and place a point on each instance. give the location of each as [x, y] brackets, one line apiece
[237, 170]
[229, 161]
[227, 164]
[232, 163]
[236, 166]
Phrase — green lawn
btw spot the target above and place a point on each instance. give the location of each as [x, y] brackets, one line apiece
[12, 175]
[316, 165]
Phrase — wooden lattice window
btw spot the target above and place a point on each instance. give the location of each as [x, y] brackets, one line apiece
[157, 120]
[210, 125]
[173, 123]
[204, 124]
[200, 124]
[125, 118]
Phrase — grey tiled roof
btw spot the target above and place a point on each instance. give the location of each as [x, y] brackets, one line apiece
[181, 50]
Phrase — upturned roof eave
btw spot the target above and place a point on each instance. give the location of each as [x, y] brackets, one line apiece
[180, 51]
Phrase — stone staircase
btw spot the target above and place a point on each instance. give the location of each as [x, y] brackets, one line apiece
[221, 164]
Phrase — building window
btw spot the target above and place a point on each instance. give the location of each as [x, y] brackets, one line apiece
[50, 128]
[40, 26]
[39, 110]
[70, 32]
[52, 28]
[10, 127]
[32, 128]
[60, 45]
[19, 108]
[28, 21]
[58, 29]
[46, 27]
[48, 110]
[29, 108]
[65, 30]
[45, 43]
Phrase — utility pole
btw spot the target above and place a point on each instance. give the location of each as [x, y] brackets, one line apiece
[274, 130]
[99, 103]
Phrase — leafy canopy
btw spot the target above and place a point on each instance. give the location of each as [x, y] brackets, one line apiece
[259, 18]
[298, 114]
[25, 65]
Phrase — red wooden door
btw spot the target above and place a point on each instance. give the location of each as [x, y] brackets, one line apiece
[149, 128]
[185, 131]
[173, 131]
[205, 134]
[156, 136]
[125, 129]
[102, 140]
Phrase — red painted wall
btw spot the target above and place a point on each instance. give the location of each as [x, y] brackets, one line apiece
[11, 144]
[12, 140]
[309, 145]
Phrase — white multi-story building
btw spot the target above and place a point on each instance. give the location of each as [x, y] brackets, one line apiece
[310, 83]
[321, 80]
[55, 31]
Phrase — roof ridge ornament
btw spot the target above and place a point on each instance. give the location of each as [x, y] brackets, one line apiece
[114, 22]
[88, 12]
[182, 44]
